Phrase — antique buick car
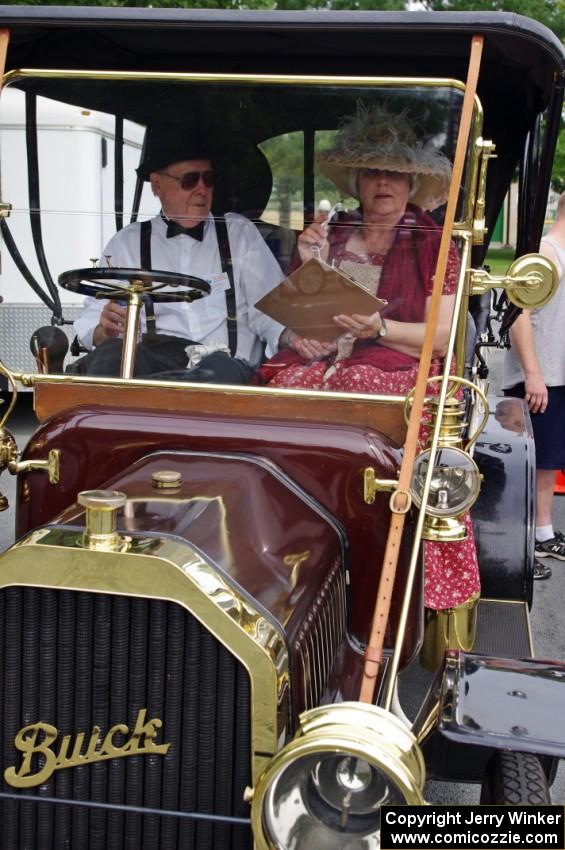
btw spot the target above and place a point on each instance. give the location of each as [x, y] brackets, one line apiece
[214, 589]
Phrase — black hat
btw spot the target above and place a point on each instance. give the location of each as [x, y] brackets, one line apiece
[166, 145]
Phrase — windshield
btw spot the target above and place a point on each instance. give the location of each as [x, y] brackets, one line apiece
[296, 223]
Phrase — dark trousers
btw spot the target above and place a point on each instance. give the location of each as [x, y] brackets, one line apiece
[163, 358]
[216, 368]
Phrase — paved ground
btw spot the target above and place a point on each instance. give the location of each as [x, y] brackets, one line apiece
[548, 619]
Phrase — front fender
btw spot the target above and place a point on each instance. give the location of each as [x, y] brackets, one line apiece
[479, 704]
[504, 514]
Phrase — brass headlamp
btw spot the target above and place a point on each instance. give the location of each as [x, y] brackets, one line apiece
[325, 789]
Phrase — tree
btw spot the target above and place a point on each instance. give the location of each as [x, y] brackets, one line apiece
[289, 5]
[548, 12]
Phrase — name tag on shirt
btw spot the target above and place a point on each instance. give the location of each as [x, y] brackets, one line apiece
[219, 282]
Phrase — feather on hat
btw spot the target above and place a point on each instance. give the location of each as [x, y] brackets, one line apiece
[375, 137]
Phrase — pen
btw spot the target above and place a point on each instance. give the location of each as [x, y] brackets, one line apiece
[336, 208]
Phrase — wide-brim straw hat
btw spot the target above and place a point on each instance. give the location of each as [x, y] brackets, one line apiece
[376, 137]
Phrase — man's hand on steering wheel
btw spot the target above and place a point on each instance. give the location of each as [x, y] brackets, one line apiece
[112, 322]
[110, 283]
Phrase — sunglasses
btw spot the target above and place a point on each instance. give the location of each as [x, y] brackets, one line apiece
[190, 179]
[376, 172]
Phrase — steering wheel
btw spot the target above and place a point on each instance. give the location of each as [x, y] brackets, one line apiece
[105, 283]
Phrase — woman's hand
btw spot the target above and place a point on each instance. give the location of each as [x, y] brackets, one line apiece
[313, 242]
[362, 327]
[308, 349]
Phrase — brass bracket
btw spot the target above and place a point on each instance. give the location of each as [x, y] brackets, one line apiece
[373, 485]
[5, 209]
[482, 281]
[8, 448]
[51, 466]
[530, 281]
[487, 149]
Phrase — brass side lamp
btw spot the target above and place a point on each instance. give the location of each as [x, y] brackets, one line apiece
[456, 480]
[453, 489]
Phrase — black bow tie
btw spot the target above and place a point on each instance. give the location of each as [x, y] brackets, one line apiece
[196, 232]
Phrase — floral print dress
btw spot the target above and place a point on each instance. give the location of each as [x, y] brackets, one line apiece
[405, 280]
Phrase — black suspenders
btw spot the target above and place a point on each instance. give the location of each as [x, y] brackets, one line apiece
[145, 258]
[227, 268]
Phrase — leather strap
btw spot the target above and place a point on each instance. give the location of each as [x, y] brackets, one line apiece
[381, 616]
[4, 41]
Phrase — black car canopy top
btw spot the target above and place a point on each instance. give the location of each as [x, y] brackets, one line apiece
[521, 74]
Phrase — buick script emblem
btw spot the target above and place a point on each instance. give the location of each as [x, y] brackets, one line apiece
[37, 739]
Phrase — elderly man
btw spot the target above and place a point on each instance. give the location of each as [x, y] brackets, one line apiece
[185, 238]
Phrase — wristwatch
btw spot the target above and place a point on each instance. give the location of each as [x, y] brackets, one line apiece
[382, 330]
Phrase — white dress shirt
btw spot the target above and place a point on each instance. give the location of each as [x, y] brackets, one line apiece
[255, 273]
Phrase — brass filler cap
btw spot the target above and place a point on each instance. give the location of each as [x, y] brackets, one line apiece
[101, 509]
[166, 479]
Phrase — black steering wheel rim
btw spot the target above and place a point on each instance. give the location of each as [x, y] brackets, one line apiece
[105, 282]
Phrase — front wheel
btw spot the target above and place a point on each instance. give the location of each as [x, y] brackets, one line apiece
[515, 779]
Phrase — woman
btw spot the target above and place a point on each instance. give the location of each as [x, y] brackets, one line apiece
[389, 245]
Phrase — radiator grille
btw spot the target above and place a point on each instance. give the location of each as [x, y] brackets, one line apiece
[76, 660]
[320, 636]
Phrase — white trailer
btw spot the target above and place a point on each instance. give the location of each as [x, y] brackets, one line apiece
[76, 180]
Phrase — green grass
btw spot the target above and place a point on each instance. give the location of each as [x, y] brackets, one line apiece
[499, 259]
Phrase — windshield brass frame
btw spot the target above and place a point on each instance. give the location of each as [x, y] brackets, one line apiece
[462, 228]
